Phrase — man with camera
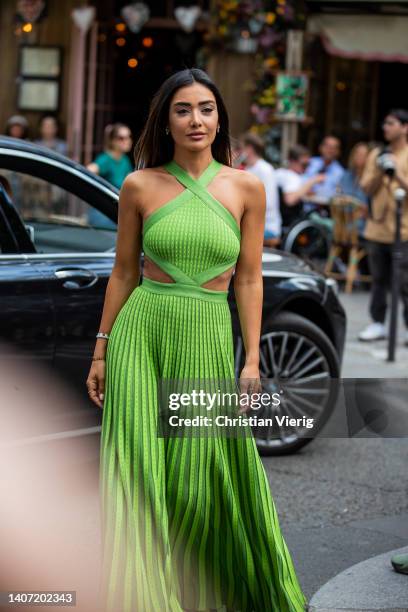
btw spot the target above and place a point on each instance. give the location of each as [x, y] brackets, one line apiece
[386, 170]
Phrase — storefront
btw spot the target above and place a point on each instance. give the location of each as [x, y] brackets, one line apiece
[92, 63]
[357, 54]
[91, 66]
[112, 58]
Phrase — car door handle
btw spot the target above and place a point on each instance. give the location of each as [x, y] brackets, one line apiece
[76, 278]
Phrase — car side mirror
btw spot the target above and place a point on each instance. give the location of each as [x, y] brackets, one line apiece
[30, 230]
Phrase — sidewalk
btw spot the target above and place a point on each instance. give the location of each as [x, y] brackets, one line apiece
[368, 360]
[371, 585]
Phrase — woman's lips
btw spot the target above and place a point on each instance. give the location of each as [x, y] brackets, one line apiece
[196, 136]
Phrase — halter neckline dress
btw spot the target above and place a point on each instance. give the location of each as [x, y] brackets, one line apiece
[188, 523]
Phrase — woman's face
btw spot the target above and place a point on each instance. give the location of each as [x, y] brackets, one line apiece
[16, 131]
[49, 128]
[193, 109]
[123, 140]
[360, 157]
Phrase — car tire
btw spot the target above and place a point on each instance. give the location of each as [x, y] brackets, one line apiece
[299, 330]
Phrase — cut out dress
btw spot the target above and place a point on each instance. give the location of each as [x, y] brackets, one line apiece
[188, 523]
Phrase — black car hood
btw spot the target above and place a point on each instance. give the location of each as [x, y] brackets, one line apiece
[274, 261]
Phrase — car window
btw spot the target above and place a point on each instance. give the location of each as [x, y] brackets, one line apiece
[57, 220]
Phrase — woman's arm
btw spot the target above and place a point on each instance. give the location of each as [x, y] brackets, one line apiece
[93, 167]
[248, 282]
[126, 269]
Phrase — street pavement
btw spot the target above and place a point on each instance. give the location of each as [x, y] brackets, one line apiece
[369, 360]
[344, 501]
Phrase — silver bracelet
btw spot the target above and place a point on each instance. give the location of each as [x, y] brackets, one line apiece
[102, 335]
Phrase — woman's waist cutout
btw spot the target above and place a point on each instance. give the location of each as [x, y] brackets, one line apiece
[183, 290]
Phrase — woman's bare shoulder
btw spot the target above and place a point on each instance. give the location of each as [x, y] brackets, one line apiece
[142, 185]
[142, 177]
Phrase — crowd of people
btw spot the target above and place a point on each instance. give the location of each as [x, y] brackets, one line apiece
[304, 184]
[47, 133]
[374, 172]
[113, 164]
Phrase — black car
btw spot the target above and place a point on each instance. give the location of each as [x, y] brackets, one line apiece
[57, 248]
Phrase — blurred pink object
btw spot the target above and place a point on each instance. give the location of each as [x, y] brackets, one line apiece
[49, 525]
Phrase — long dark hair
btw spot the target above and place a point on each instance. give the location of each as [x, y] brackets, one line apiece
[154, 147]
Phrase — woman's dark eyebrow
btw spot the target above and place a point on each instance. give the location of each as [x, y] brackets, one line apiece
[188, 103]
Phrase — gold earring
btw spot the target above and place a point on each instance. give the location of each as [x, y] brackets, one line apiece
[218, 128]
[167, 130]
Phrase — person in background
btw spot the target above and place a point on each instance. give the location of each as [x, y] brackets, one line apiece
[326, 163]
[292, 186]
[349, 184]
[385, 171]
[113, 165]
[253, 155]
[238, 155]
[17, 127]
[54, 199]
[292, 178]
[48, 135]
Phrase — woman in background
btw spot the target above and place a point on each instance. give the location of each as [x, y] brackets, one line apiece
[17, 127]
[48, 129]
[350, 182]
[113, 164]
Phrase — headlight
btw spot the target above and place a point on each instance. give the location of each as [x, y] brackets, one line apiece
[333, 284]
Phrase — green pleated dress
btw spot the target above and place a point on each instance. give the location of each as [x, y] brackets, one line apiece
[188, 523]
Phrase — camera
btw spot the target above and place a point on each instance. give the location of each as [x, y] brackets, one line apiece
[386, 163]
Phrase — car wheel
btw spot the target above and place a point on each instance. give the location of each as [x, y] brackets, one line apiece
[298, 361]
[307, 240]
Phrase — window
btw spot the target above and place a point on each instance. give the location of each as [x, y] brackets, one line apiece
[57, 220]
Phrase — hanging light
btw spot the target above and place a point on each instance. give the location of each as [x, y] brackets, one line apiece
[147, 41]
[120, 27]
[121, 42]
[27, 27]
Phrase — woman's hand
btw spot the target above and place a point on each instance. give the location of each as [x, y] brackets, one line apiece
[96, 382]
[249, 382]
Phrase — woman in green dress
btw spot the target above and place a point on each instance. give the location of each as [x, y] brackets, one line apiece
[188, 521]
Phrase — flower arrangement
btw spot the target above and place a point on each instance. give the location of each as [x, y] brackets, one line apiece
[257, 27]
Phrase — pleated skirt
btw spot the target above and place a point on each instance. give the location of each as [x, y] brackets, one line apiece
[187, 523]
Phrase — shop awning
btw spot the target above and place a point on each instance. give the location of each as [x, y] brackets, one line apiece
[368, 37]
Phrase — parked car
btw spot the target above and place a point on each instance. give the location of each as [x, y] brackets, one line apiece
[55, 265]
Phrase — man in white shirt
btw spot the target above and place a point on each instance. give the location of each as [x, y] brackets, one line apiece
[253, 150]
[291, 180]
